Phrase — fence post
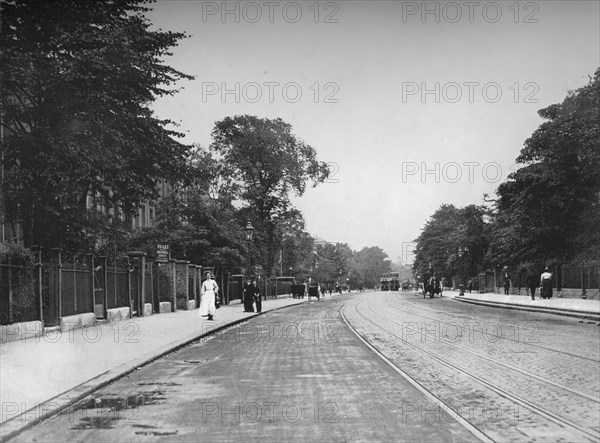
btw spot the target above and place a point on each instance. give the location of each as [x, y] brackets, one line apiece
[90, 260]
[129, 271]
[38, 268]
[198, 285]
[10, 292]
[173, 264]
[583, 288]
[142, 297]
[104, 264]
[58, 278]
[150, 266]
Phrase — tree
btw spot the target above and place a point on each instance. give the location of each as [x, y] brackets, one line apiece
[367, 265]
[454, 242]
[268, 163]
[333, 262]
[549, 209]
[78, 78]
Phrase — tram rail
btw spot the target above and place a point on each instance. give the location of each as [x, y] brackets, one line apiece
[588, 434]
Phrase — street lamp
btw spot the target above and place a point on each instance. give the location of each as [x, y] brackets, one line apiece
[461, 253]
[249, 235]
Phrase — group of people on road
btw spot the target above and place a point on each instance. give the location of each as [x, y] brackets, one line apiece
[251, 296]
[210, 302]
[532, 282]
[298, 290]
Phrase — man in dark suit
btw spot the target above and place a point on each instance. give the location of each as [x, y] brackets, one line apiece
[248, 296]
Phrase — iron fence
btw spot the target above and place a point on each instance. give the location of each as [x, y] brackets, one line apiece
[55, 289]
[19, 293]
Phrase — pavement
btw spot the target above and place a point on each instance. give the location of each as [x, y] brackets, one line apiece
[571, 307]
[40, 376]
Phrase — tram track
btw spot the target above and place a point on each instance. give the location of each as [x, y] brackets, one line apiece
[560, 421]
[505, 365]
[510, 367]
[528, 343]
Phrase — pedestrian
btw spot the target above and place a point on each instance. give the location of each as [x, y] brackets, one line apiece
[531, 282]
[470, 286]
[208, 294]
[248, 296]
[322, 290]
[301, 290]
[330, 289]
[256, 296]
[506, 280]
[546, 283]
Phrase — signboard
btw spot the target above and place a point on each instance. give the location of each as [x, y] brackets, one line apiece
[162, 252]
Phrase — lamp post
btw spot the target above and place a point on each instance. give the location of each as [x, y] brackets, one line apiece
[461, 252]
[249, 235]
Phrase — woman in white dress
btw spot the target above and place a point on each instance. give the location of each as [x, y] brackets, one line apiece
[208, 293]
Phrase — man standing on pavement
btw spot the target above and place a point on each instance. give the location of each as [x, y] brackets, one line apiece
[208, 294]
[531, 283]
[248, 296]
[256, 296]
[506, 280]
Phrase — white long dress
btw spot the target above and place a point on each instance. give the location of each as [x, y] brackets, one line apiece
[207, 300]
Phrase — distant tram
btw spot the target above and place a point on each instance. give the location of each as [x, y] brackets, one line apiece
[390, 281]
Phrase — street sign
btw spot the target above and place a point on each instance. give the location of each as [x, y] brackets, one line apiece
[162, 252]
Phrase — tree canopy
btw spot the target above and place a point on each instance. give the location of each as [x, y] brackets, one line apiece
[549, 208]
[453, 242]
[546, 211]
[265, 163]
[78, 78]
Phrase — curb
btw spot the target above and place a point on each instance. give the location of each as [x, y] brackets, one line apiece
[11, 428]
[586, 315]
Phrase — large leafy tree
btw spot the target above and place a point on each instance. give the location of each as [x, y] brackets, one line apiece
[549, 208]
[332, 262]
[268, 164]
[453, 242]
[77, 81]
[198, 219]
[367, 265]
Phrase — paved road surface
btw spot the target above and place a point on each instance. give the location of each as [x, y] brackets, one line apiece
[297, 374]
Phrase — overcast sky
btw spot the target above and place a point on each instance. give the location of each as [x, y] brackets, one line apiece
[413, 104]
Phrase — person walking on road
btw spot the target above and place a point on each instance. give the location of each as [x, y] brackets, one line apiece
[531, 283]
[301, 290]
[506, 280]
[208, 294]
[256, 296]
[248, 296]
[546, 283]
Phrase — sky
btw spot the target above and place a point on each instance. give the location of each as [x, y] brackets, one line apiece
[412, 104]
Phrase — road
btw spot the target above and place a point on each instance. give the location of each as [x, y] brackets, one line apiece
[514, 375]
[456, 372]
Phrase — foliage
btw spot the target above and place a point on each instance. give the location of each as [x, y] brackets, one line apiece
[453, 242]
[549, 208]
[196, 230]
[367, 265]
[264, 163]
[16, 253]
[78, 78]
